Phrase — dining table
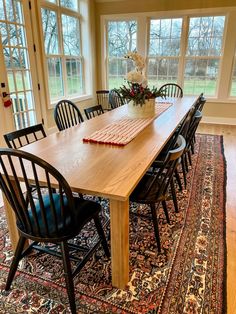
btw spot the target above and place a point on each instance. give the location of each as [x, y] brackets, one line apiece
[106, 170]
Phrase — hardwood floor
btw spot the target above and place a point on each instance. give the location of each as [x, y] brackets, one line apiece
[229, 133]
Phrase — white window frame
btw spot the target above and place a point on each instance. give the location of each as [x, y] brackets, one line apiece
[85, 45]
[229, 42]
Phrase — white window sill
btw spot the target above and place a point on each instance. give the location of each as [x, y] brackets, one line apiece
[75, 99]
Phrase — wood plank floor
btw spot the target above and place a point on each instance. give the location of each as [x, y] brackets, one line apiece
[229, 133]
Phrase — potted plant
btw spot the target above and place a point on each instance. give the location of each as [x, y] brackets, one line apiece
[140, 98]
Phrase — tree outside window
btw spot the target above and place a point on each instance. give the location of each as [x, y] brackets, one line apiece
[61, 30]
[164, 51]
[203, 55]
[122, 38]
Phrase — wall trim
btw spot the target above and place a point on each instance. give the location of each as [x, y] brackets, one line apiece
[219, 120]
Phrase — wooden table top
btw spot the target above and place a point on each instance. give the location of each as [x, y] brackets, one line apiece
[105, 170]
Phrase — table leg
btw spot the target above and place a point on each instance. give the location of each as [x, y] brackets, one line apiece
[11, 223]
[119, 211]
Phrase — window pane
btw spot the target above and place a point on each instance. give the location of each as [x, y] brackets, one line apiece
[2, 13]
[55, 80]
[204, 41]
[201, 76]
[122, 38]
[74, 76]
[50, 31]
[165, 35]
[70, 4]
[162, 70]
[164, 51]
[118, 67]
[71, 39]
[205, 36]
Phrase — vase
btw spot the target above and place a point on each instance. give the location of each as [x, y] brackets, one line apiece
[146, 110]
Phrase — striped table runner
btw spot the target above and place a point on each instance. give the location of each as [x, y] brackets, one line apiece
[125, 130]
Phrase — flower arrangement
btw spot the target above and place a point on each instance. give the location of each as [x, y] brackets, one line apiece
[136, 88]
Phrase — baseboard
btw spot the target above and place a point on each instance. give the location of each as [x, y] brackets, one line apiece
[218, 120]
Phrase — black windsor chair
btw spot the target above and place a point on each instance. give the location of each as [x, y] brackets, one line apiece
[20, 138]
[52, 218]
[153, 188]
[66, 115]
[115, 99]
[171, 90]
[94, 111]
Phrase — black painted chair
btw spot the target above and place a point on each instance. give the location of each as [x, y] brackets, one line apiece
[53, 218]
[20, 138]
[103, 99]
[67, 114]
[93, 111]
[115, 99]
[153, 188]
[171, 90]
[190, 139]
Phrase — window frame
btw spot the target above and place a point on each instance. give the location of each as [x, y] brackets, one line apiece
[85, 50]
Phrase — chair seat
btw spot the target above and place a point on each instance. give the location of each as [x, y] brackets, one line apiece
[148, 192]
[84, 210]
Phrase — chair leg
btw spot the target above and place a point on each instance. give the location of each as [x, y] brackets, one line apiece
[172, 186]
[189, 158]
[155, 224]
[178, 180]
[165, 211]
[184, 171]
[68, 276]
[102, 235]
[186, 162]
[15, 262]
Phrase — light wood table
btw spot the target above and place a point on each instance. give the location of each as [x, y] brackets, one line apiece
[107, 171]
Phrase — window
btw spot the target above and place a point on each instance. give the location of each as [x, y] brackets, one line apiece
[122, 37]
[62, 48]
[186, 50]
[164, 51]
[203, 55]
[197, 69]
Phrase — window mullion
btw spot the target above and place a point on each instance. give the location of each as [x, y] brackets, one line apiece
[183, 50]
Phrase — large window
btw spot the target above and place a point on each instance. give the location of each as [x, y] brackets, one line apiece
[197, 68]
[203, 55]
[122, 37]
[62, 47]
[186, 50]
[164, 51]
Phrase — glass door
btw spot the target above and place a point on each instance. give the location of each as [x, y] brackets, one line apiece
[18, 83]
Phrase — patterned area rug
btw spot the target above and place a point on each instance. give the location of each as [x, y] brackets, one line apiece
[188, 276]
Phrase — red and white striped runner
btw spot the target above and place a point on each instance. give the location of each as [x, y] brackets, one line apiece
[125, 130]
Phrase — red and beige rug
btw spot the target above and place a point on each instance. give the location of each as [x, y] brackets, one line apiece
[188, 276]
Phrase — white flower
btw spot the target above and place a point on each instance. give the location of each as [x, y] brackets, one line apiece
[135, 77]
[137, 59]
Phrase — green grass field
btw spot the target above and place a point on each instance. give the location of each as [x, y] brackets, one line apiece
[191, 87]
